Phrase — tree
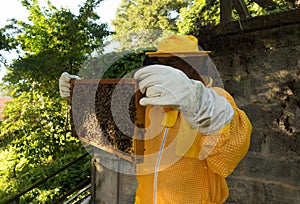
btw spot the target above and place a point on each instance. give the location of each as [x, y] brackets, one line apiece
[198, 12]
[5, 44]
[36, 129]
[139, 23]
[54, 41]
[207, 12]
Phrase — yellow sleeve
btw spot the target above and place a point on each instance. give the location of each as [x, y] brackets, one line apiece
[224, 149]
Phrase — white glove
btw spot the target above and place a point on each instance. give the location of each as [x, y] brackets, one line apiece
[202, 107]
[65, 84]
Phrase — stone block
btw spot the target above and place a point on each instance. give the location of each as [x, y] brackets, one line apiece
[284, 169]
[268, 141]
[257, 141]
[262, 115]
[245, 190]
[283, 144]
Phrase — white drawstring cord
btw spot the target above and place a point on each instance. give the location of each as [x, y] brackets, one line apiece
[157, 166]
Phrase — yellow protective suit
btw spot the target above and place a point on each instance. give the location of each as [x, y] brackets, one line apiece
[191, 168]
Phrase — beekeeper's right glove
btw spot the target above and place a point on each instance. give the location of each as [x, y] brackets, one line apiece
[202, 107]
[65, 84]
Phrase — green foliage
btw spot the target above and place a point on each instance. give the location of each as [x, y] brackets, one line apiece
[144, 20]
[198, 13]
[139, 23]
[52, 42]
[36, 133]
[36, 126]
[14, 178]
[282, 5]
[35, 136]
[5, 45]
[203, 12]
[127, 63]
[116, 64]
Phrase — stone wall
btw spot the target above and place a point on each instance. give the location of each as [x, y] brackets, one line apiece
[259, 61]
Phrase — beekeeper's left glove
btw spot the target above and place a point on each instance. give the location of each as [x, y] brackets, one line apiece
[202, 107]
[65, 84]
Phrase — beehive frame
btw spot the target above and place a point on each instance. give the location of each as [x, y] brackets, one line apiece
[92, 102]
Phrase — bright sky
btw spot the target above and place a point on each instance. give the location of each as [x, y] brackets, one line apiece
[14, 9]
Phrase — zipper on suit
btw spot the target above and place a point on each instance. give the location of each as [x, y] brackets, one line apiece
[157, 165]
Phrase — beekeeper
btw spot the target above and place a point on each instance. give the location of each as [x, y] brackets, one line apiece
[195, 134]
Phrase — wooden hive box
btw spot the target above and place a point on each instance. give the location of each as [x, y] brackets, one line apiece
[106, 114]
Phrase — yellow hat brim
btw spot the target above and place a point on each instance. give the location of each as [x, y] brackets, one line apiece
[178, 54]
